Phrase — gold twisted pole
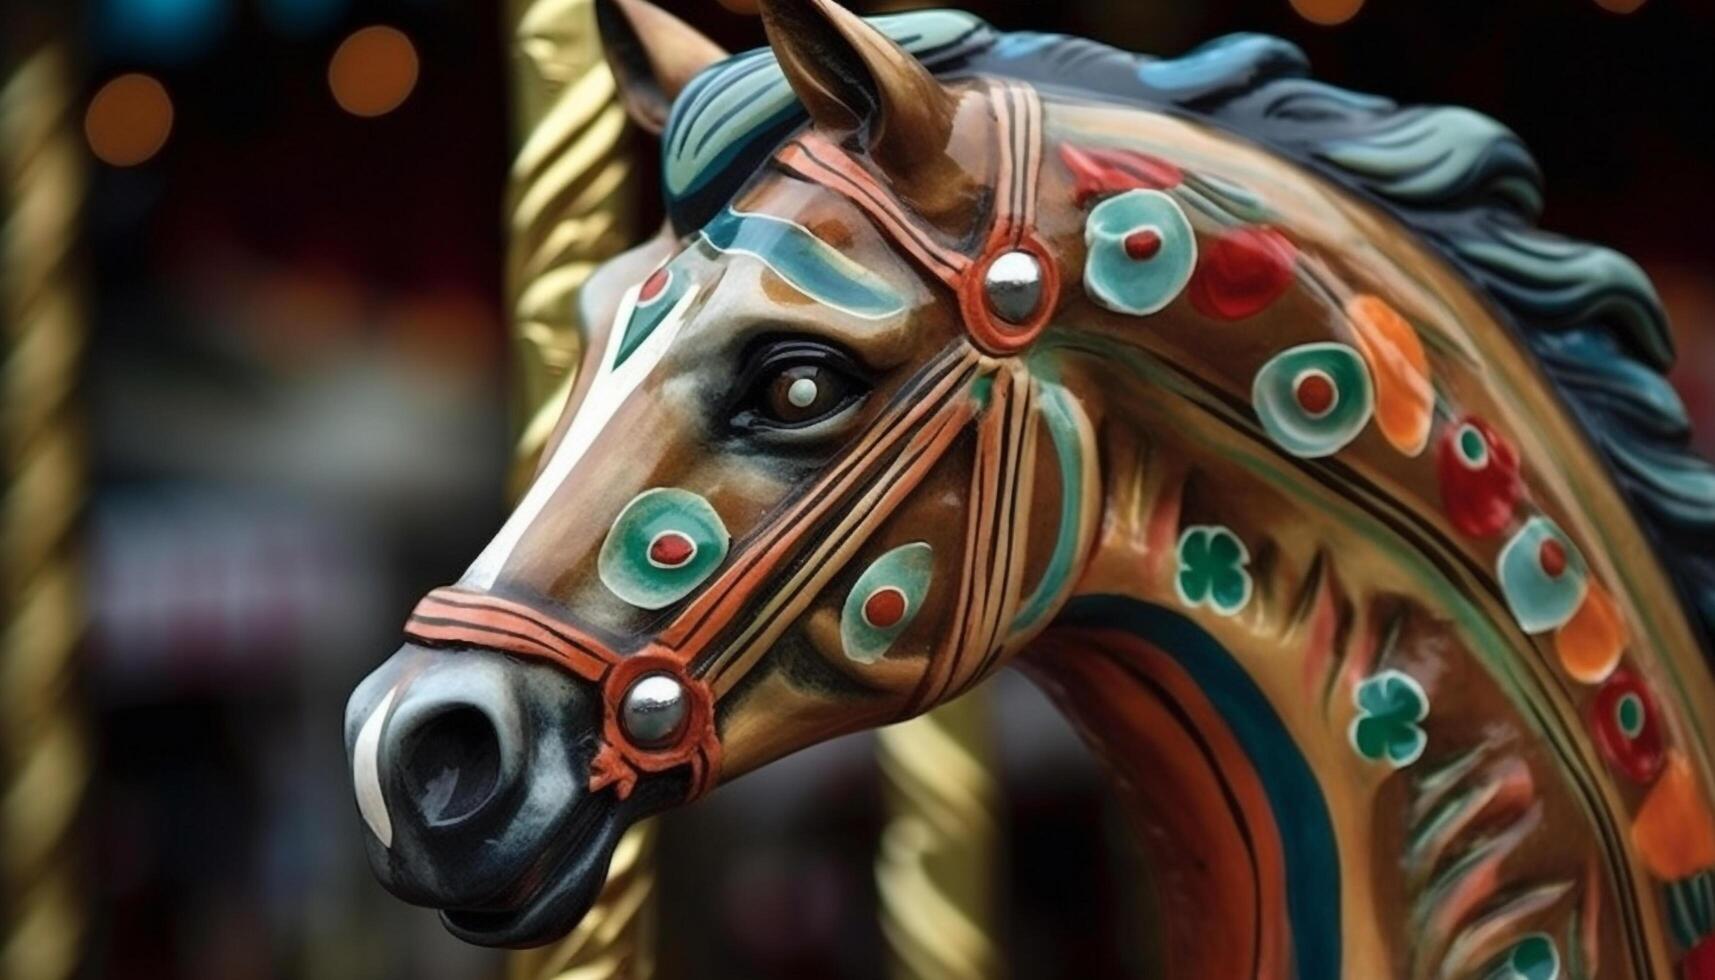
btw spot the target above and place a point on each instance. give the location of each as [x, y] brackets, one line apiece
[44, 758]
[571, 208]
[935, 873]
[571, 199]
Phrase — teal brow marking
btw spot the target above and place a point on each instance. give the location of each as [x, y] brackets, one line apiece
[1059, 411]
[811, 265]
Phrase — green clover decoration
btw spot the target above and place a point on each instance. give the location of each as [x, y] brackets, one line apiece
[1212, 569]
[1390, 706]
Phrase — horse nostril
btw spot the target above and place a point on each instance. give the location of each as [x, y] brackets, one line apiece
[452, 765]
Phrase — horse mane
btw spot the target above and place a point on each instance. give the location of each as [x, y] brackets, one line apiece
[1463, 182]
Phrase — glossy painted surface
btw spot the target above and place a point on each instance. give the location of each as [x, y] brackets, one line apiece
[1253, 480]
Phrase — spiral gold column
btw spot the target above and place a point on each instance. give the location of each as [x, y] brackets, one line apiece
[571, 202]
[571, 208]
[44, 757]
[935, 873]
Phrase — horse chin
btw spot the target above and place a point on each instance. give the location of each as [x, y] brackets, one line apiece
[566, 891]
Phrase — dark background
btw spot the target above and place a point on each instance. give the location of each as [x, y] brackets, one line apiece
[297, 395]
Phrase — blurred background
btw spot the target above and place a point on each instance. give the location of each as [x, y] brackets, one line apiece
[277, 227]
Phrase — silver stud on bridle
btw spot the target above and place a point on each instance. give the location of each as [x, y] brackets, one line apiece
[1013, 282]
[654, 710]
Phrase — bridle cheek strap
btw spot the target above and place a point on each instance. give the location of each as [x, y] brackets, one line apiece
[454, 616]
[1017, 108]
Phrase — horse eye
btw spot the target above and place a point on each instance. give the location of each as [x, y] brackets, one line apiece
[797, 385]
[803, 393]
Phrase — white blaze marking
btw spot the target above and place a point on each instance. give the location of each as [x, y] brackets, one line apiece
[609, 390]
[366, 772]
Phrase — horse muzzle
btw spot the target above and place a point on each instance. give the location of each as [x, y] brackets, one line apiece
[472, 774]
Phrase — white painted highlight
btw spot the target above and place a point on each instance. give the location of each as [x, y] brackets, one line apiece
[609, 390]
[802, 393]
[366, 772]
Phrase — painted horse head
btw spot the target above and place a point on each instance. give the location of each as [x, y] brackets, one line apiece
[1347, 514]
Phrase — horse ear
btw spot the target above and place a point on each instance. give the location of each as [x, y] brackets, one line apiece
[653, 55]
[854, 80]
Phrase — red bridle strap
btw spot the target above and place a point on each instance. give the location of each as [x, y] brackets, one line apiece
[452, 616]
[1018, 130]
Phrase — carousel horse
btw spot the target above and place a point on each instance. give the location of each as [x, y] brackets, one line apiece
[1347, 516]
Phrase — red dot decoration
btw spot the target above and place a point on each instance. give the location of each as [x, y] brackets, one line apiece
[1142, 244]
[1241, 272]
[1315, 393]
[1552, 557]
[653, 286]
[885, 607]
[1479, 500]
[1699, 963]
[672, 549]
[1639, 756]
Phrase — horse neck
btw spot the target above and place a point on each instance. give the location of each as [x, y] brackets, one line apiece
[1278, 845]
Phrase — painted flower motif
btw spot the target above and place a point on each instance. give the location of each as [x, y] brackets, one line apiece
[1390, 706]
[1533, 958]
[1212, 569]
[1623, 718]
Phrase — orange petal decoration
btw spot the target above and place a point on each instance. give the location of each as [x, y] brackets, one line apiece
[1405, 400]
[1674, 830]
[1591, 642]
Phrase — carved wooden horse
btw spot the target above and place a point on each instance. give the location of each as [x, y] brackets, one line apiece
[1346, 515]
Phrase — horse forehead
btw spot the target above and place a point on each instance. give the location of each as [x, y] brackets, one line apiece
[825, 214]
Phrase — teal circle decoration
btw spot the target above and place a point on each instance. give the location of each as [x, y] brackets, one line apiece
[1314, 399]
[1534, 957]
[1542, 575]
[1629, 715]
[1138, 281]
[1472, 446]
[664, 514]
[906, 570]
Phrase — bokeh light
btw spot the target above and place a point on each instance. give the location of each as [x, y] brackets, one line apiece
[160, 31]
[1327, 12]
[128, 120]
[1620, 6]
[302, 18]
[373, 71]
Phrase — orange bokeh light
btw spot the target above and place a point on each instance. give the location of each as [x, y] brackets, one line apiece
[1327, 12]
[373, 71]
[1620, 6]
[128, 120]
